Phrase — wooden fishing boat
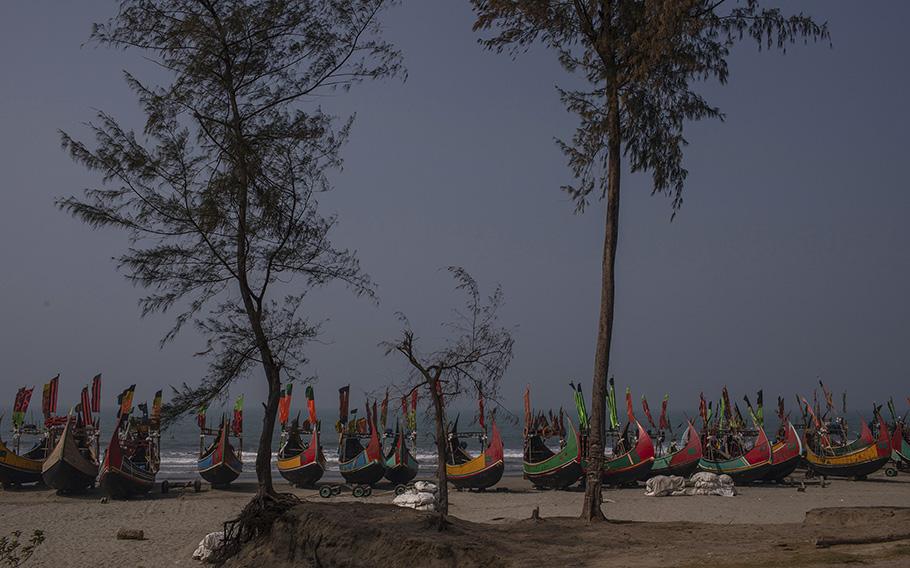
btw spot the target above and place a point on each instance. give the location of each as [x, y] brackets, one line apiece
[401, 465]
[131, 461]
[683, 461]
[857, 463]
[360, 465]
[481, 472]
[220, 463]
[73, 463]
[752, 466]
[548, 469]
[632, 465]
[786, 454]
[19, 469]
[303, 464]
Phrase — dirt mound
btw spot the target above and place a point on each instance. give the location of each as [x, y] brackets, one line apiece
[839, 518]
[359, 534]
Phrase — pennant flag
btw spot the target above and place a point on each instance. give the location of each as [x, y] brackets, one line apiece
[200, 415]
[23, 397]
[125, 400]
[647, 411]
[369, 418]
[727, 407]
[96, 393]
[760, 410]
[580, 408]
[829, 401]
[86, 407]
[310, 405]
[49, 398]
[611, 399]
[480, 412]
[752, 414]
[815, 421]
[237, 422]
[375, 424]
[703, 409]
[739, 417]
[344, 394]
[629, 409]
[527, 400]
[662, 422]
[284, 404]
[384, 411]
[156, 408]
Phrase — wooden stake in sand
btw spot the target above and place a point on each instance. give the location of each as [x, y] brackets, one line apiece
[130, 534]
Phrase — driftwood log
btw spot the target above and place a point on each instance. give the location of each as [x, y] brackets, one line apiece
[130, 534]
[826, 542]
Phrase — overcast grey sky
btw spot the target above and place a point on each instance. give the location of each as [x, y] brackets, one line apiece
[788, 260]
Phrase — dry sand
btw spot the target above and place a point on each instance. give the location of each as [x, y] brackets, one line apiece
[81, 530]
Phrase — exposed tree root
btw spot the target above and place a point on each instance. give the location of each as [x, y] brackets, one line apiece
[255, 520]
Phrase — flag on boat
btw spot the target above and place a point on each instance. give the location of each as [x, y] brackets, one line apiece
[86, 407]
[96, 393]
[20, 406]
[237, 422]
[284, 404]
[344, 397]
[156, 408]
[663, 423]
[49, 398]
[125, 401]
[647, 411]
[310, 406]
[200, 415]
[629, 410]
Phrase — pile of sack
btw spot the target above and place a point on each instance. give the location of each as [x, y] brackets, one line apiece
[206, 550]
[702, 483]
[422, 496]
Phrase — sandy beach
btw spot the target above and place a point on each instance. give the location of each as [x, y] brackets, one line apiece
[81, 530]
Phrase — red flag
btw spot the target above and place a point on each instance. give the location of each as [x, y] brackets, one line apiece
[200, 415]
[284, 404]
[629, 409]
[49, 400]
[237, 423]
[663, 423]
[703, 408]
[480, 414]
[527, 408]
[344, 394]
[311, 406]
[647, 410]
[86, 408]
[96, 393]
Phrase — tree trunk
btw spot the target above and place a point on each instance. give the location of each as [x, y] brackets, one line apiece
[441, 450]
[595, 447]
[264, 451]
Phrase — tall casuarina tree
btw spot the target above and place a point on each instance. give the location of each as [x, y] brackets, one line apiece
[640, 59]
[218, 193]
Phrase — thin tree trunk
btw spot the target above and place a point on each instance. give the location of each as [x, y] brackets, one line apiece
[591, 510]
[441, 450]
[264, 451]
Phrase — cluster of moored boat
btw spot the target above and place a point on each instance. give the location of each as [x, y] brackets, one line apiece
[67, 454]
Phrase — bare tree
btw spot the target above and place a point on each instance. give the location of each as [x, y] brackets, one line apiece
[474, 358]
[218, 194]
[640, 59]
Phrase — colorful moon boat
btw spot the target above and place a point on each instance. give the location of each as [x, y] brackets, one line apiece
[300, 463]
[548, 469]
[19, 469]
[131, 461]
[633, 465]
[360, 465]
[220, 463]
[682, 462]
[401, 465]
[857, 463]
[73, 463]
[481, 472]
[786, 454]
[753, 466]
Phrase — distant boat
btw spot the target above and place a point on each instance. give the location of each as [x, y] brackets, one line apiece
[131, 461]
[631, 465]
[861, 460]
[481, 472]
[300, 463]
[401, 465]
[19, 469]
[752, 466]
[219, 463]
[360, 465]
[72, 465]
[786, 454]
[682, 462]
[546, 468]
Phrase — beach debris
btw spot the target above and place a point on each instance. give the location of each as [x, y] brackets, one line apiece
[209, 547]
[535, 514]
[421, 497]
[130, 534]
[702, 483]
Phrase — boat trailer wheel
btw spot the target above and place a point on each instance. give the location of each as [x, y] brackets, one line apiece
[165, 487]
[325, 491]
[358, 491]
[891, 472]
[400, 489]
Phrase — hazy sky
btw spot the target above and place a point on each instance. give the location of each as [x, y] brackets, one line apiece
[788, 260]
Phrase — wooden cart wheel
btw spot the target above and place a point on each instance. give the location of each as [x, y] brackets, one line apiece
[325, 492]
